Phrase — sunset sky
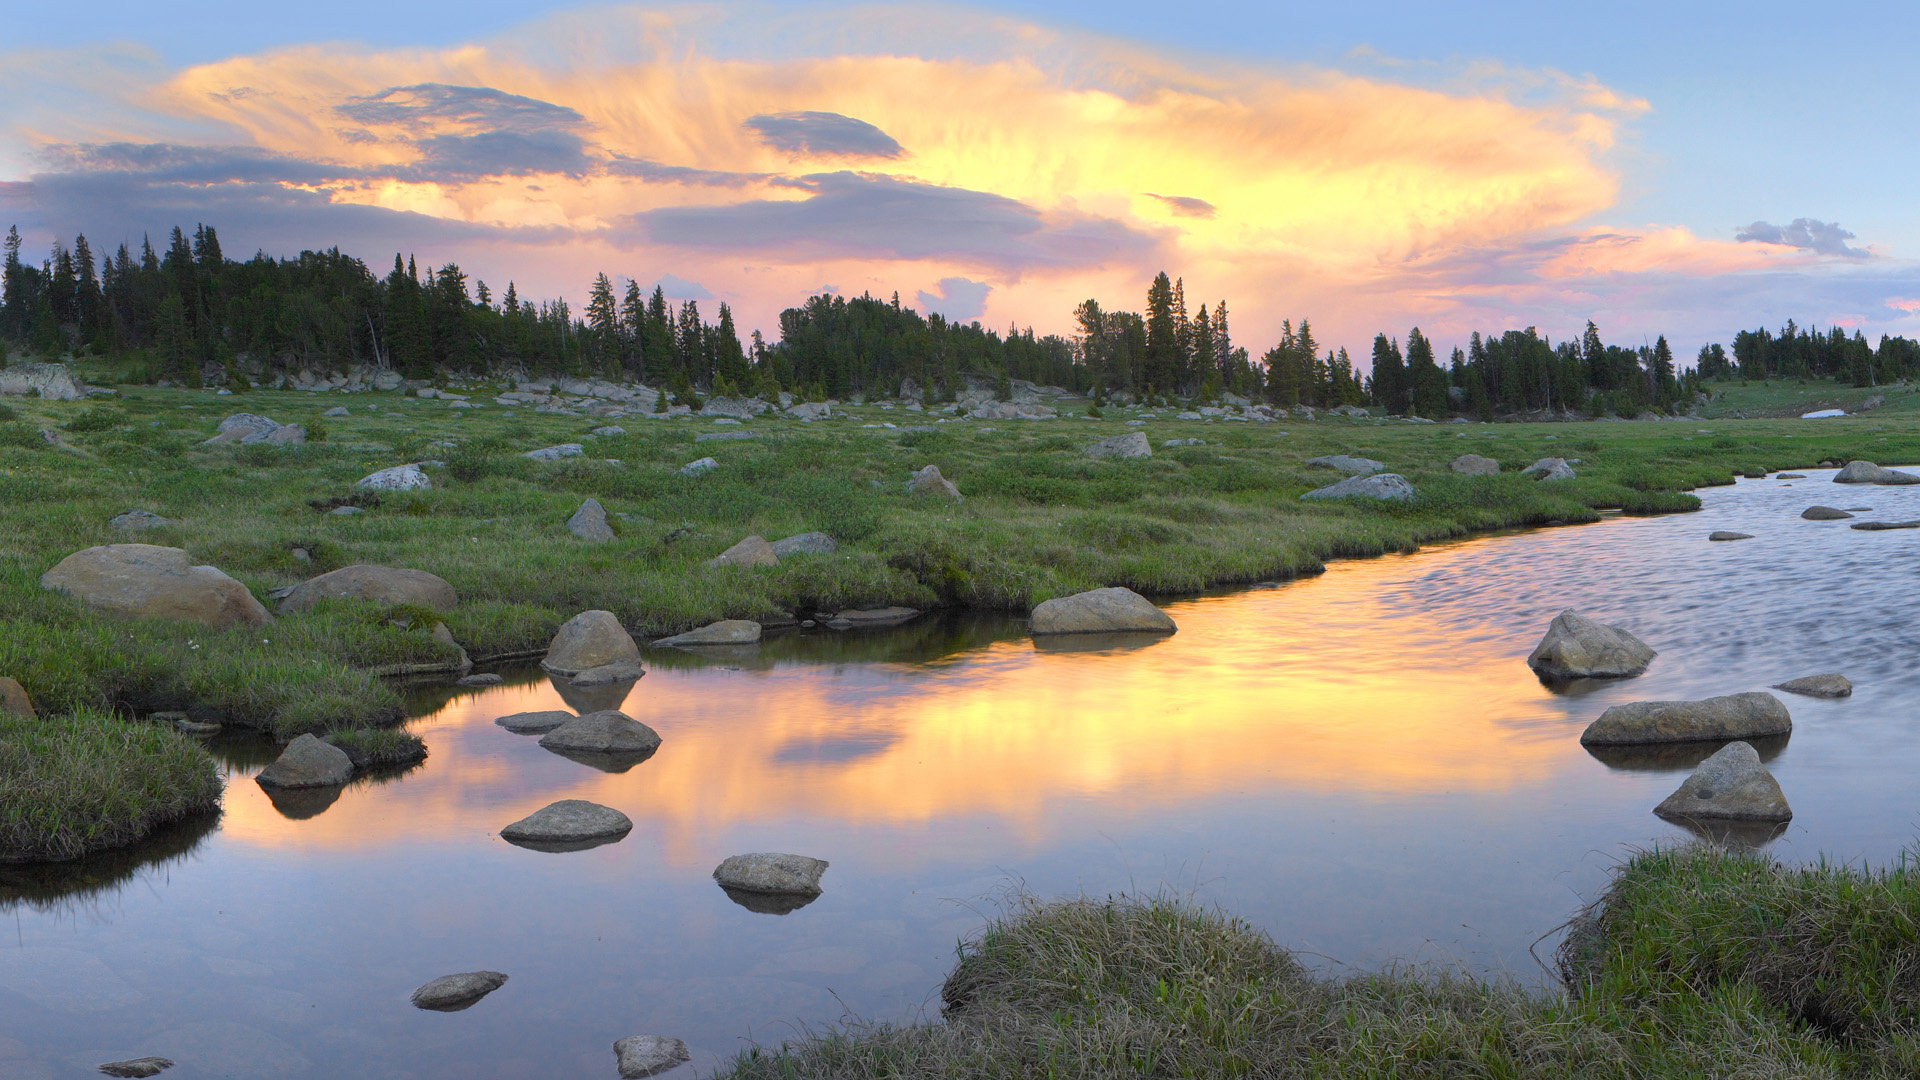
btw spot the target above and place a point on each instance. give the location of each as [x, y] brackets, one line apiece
[1687, 169]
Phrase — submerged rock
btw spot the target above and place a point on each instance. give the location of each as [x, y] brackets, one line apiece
[1100, 611]
[1133, 444]
[1576, 647]
[874, 617]
[534, 723]
[1823, 513]
[141, 581]
[807, 543]
[1474, 465]
[648, 1055]
[1731, 784]
[724, 632]
[752, 551]
[308, 762]
[568, 825]
[1720, 534]
[451, 993]
[138, 1067]
[1832, 685]
[1735, 716]
[589, 640]
[771, 872]
[1386, 486]
[380, 584]
[589, 523]
[1352, 466]
[1883, 526]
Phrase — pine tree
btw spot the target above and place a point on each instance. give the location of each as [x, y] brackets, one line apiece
[1161, 364]
[603, 321]
[1429, 383]
[1390, 387]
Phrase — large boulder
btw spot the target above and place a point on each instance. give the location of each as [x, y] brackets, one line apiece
[308, 762]
[14, 699]
[771, 872]
[724, 632]
[609, 731]
[379, 584]
[398, 478]
[568, 825]
[1866, 472]
[928, 481]
[1736, 716]
[1824, 513]
[752, 551]
[1133, 444]
[1731, 785]
[1549, 468]
[639, 1056]
[1352, 466]
[451, 993]
[807, 543]
[1100, 611]
[50, 381]
[589, 523]
[1474, 465]
[141, 581]
[1390, 487]
[1831, 685]
[589, 640]
[1576, 647]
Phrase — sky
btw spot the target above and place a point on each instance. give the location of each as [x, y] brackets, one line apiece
[1682, 169]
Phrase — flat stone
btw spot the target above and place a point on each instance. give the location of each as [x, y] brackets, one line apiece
[136, 520]
[724, 632]
[555, 453]
[607, 674]
[928, 481]
[648, 1055]
[1385, 486]
[451, 993]
[378, 584]
[1823, 513]
[589, 523]
[308, 762]
[1576, 647]
[484, 679]
[1882, 526]
[1791, 476]
[1352, 466]
[589, 640]
[143, 581]
[1831, 685]
[534, 723]
[1549, 468]
[338, 410]
[1732, 784]
[1100, 611]
[771, 872]
[140, 1066]
[885, 616]
[14, 699]
[568, 825]
[1133, 444]
[694, 468]
[1721, 534]
[752, 551]
[1474, 465]
[1735, 716]
[609, 731]
[807, 543]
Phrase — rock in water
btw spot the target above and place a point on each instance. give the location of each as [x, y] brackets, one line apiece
[771, 872]
[380, 584]
[724, 632]
[589, 640]
[868, 618]
[807, 543]
[1577, 647]
[136, 520]
[308, 762]
[1133, 444]
[1882, 526]
[590, 523]
[398, 478]
[568, 825]
[1099, 611]
[534, 723]
[1719, 534]
[1387, 486]
[1352, 466]
[649, 1055]
[1474, 465]
[451, 993]
[609, 731]
[14, 699]
[1823, 513]
[1549, 468]
[1736, 716]
[1829, 686]
[138, 1067]
[752, 551]
[928, 481]
[1732, 784]
[1866, 472]
[140, 581]
[608, 674]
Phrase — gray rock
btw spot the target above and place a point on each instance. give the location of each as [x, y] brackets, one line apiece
[1576, 647]
[308, 762]
[377, 584]
[1349, 410]
[1385, 486]
[648, 1055]
[771, 872]
[1133, 444]
[242, 428]
[1831, 685]
[398, 478]
[144, 581]
[928, 481]
[338, 410]
[1474, 465]
[52, 382]
[590, 523]
[1882, 526]
[724, 632]
[136, 520]
[737, 408]
[1165, 443]
[752, 551]
[451, 993]
[534, 723]
[1549, 468]
[1100, 611]
[1732, 784]
[568, 825]
[1352, 466]
[1735, 716]
[609, 431]
[1866, 472]
[807, 543]
[710, 436]
[1824, 513]
[555, 453]
[345, 511]
[811, 410]
[870, 617]
[485, 679]
[609, 731]
[1721, 534]
[695, 468]
[589, 640]
[607, 674]
[140, 1066]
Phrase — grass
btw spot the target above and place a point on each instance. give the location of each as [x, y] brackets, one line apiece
[82, 783]
[379, 748]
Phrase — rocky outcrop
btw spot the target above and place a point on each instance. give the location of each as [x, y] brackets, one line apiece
[54, 382]
[451, 993]
[377, 584]
[1832, 685]
[807, 543]
[1722, 534]
[1824, 513]
[1352, 466]
[1100, 611]
[589, 523]
[589, 640]
[14, 699]
[1576, 647]
[648, 1055]
[1735, 716]
[568, 825]
[928, 481]
[137, 521]
[724, 632]
[1549, 468]
[534, 723]
[141, 581]
[308, 762]
[1732, 785]
[1866, 472]
[771, 872]
[1474, 465]
[752, 551]
[1391, 487]
[1133, 444]
[398, 478]
[609, 731]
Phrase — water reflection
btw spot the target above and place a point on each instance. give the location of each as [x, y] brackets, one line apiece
[64, 885]
[1679, 757]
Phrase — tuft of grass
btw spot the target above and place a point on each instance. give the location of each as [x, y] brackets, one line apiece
[379, 748]
[84, 782]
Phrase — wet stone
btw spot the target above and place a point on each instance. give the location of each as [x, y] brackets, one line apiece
[451, 993]
[534, 723]
[648, 1055]
[140, 1066]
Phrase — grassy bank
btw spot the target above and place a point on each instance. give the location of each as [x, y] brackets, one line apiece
[84, 783]
[1700, 963]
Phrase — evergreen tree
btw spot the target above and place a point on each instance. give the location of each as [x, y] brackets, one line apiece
[1390, 385]
[1428, 382]
[1161, 364]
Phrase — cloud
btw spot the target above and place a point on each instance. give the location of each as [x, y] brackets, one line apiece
[823, 134]
[1825, 237]
[959, 299]
[427, 105]
[678, 288]
[1187, 205]
[170, 163]
[643, 169]
[500, 153]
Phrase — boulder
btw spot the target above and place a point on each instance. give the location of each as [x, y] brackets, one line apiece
[1576, 647]
[1352, 466]
[807, 543]
[811, 410]
[1722, 534]
[1866, 472]
[1133, 444]
[620, 671]
[14, 698]
[1829, 686]
[724, 632]
[144, 581]
[589, 640]
[248, 428]
[338, 410]
[308, 762]
[1882, 526]
[1100, 611]
[695, 468]
[609, 431]
[609, 731]
[1823, 513]
[451, 993]
[1474, 465]
[647, 1055]
[771, 872]
[138, 1067]
[555, 453]
[1732, 784]
[1354, 411]
[1735, 716]
[589, 523]
[50, 381]
[928, 481]
[378, 584]
[534, 723]
[398, 478]
[568, 825]
[136, 520]
[1549, 468]
[1386, 486]
[753, 551]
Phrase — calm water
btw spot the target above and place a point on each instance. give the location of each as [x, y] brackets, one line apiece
[1361, 763]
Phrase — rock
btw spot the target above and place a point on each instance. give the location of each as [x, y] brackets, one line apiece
[811, 410]
[308, 762]
[1882, 526]
[136, 520]
[345, 511]
[871, 617]
[1730, 784]
[724, 632]
[1100, 611]
[709, 436]
[1866, 472]
[695, 468]
[1576, 647]
[1828, 686]
[14, 699]
[646, 1055]
[1133, 444]
[589, 523]
[1352, 466]
[1389, 486]
[1349, 410]
[248, 428]
[1736, 716]
[568, 825]
[807, 543]
[1166, 443]
[1791, 476]
[771, 872]
[607, 674]
[451, 993]
[839, 624]
[555, 453]
[534, 723]
[928, 481]
[485, 679]
[144, 581]
[1474, 465]
[338, 410]
[1549, 468]
[50, 381]
[140, 1066]
[1721, 534]
[609, 431]
[609, 731]
[589, 640]
[398, 478]
[752, 551]
[1823, 513]
[378, 584]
